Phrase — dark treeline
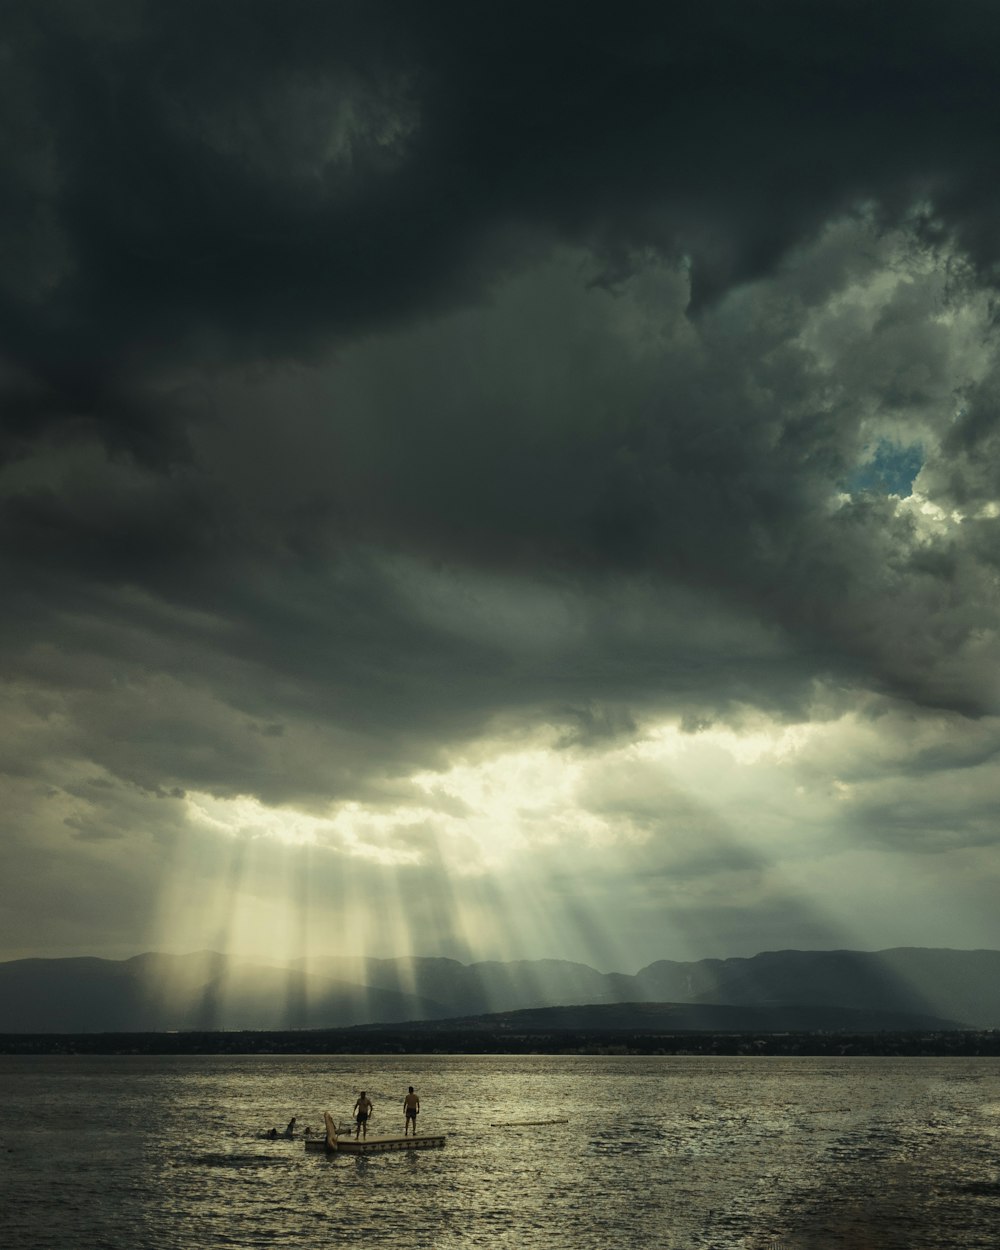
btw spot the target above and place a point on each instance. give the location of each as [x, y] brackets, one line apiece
[479, 1042]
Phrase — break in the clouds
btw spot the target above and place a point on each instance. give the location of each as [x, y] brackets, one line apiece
[504, 482]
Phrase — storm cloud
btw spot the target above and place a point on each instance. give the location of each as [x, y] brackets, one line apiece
[406, 406]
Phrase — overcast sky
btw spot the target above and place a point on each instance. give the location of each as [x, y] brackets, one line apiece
[509, 480]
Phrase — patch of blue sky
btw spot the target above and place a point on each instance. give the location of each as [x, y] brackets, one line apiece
[891, 470]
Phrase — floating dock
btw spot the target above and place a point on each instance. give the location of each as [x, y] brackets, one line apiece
[333, 1144]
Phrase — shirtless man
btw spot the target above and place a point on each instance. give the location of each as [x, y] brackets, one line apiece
[411, 1105]
[362, 1110]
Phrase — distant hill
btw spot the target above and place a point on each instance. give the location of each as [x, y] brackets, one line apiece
[957, 985]
[470, 989]
[619, 1018]
[962, 985]
[155, 993]
[151, 993]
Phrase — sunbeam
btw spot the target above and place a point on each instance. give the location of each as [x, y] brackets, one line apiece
[670, 843]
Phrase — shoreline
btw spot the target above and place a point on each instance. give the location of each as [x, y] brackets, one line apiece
[966, 1043]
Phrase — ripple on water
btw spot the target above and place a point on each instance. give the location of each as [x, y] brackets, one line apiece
[234, 1161]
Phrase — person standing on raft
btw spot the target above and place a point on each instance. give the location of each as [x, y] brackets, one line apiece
[362, 1110]
[411, 1105]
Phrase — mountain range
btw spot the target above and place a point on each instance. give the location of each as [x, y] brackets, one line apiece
[903, 988]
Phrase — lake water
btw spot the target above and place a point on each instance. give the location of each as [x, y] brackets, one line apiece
[113, 1153]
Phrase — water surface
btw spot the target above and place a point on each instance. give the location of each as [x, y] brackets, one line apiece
[685, 1152]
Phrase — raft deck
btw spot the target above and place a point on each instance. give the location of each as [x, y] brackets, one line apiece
[334, 1144]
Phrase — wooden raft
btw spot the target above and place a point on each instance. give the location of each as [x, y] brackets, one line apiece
[333, 1144]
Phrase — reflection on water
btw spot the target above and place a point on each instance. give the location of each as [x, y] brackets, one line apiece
[683, 1152]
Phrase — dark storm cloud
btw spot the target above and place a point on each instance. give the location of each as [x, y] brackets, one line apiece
[247, 176]
[381, 379]
[224, 181]
[571, 506]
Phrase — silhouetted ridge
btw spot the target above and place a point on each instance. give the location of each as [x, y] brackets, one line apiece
[206, 990]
